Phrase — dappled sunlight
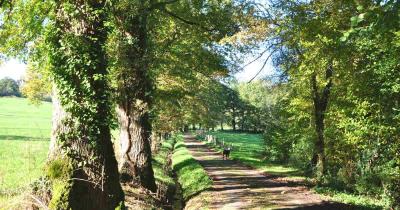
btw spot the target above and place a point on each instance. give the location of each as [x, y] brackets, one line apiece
[238, 187]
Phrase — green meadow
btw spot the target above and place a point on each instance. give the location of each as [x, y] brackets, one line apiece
[24, 141]
[249, 149]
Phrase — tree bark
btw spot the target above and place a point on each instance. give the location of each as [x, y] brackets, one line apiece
[320, 106]
[57, 125]
[81, 139]
[134, 92]
[135, 148]
[233, 119]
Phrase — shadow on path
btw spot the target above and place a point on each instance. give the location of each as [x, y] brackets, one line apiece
[236, 186]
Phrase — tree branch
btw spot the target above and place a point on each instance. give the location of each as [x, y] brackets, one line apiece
[262, 68]
[160, 5]
[186, 21]
[258, 57]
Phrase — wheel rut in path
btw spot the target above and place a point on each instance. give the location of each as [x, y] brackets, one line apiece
[236, 186]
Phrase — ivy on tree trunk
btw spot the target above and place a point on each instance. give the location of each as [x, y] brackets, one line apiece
[81, 137]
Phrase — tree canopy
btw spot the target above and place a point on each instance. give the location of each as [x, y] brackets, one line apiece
[152, 67]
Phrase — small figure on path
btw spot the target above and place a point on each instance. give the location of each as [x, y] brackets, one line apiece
[226, 152]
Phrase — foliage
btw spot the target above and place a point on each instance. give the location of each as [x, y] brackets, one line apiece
[37, 85]
[9, 87]
[362, 202]
[163, 170]
[247, 149]
[58, 169]
[334, 111]
[60, 195]
[187, 69]
[338, 97]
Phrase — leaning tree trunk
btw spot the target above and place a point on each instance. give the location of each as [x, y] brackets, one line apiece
[134, 92]
[82, 165]
[320, 106]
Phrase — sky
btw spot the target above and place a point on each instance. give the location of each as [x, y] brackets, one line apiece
[16, 69]
[252, 69]
[12, 68]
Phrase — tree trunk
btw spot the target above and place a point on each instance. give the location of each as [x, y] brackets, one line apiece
[233, 121]
[135, 149]
[320, 107]
[81, 148]
[222, 126]
[134, 90]
[57, 125]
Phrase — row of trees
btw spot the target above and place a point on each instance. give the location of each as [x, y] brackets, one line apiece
[334, 103]
[32, 87]
[234, 105]
[9, 87]
[149, 60]
[333, 106]
[151, 66]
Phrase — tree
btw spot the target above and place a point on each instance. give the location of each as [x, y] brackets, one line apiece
[37, 85]
[339, 107]
[89, 177]
[139, 44]
[233, 106]
[134, 89]
[9, 87]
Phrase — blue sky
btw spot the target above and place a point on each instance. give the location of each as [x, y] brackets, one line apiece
[16, 69]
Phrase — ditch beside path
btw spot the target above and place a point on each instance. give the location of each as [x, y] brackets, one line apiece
[236, 186]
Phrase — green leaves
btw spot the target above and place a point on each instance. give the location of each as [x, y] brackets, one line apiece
[356, 20]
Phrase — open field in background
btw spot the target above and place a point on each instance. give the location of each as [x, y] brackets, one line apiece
[24, 141]
[249, 149]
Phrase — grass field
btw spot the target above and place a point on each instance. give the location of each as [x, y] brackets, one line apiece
[24, 140]
[249, 149]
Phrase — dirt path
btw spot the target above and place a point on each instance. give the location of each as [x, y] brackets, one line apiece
[239, 187]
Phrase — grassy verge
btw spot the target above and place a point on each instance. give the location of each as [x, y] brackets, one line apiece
[161, 166]
[248, 149]
[191, 175]
[362, 202]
